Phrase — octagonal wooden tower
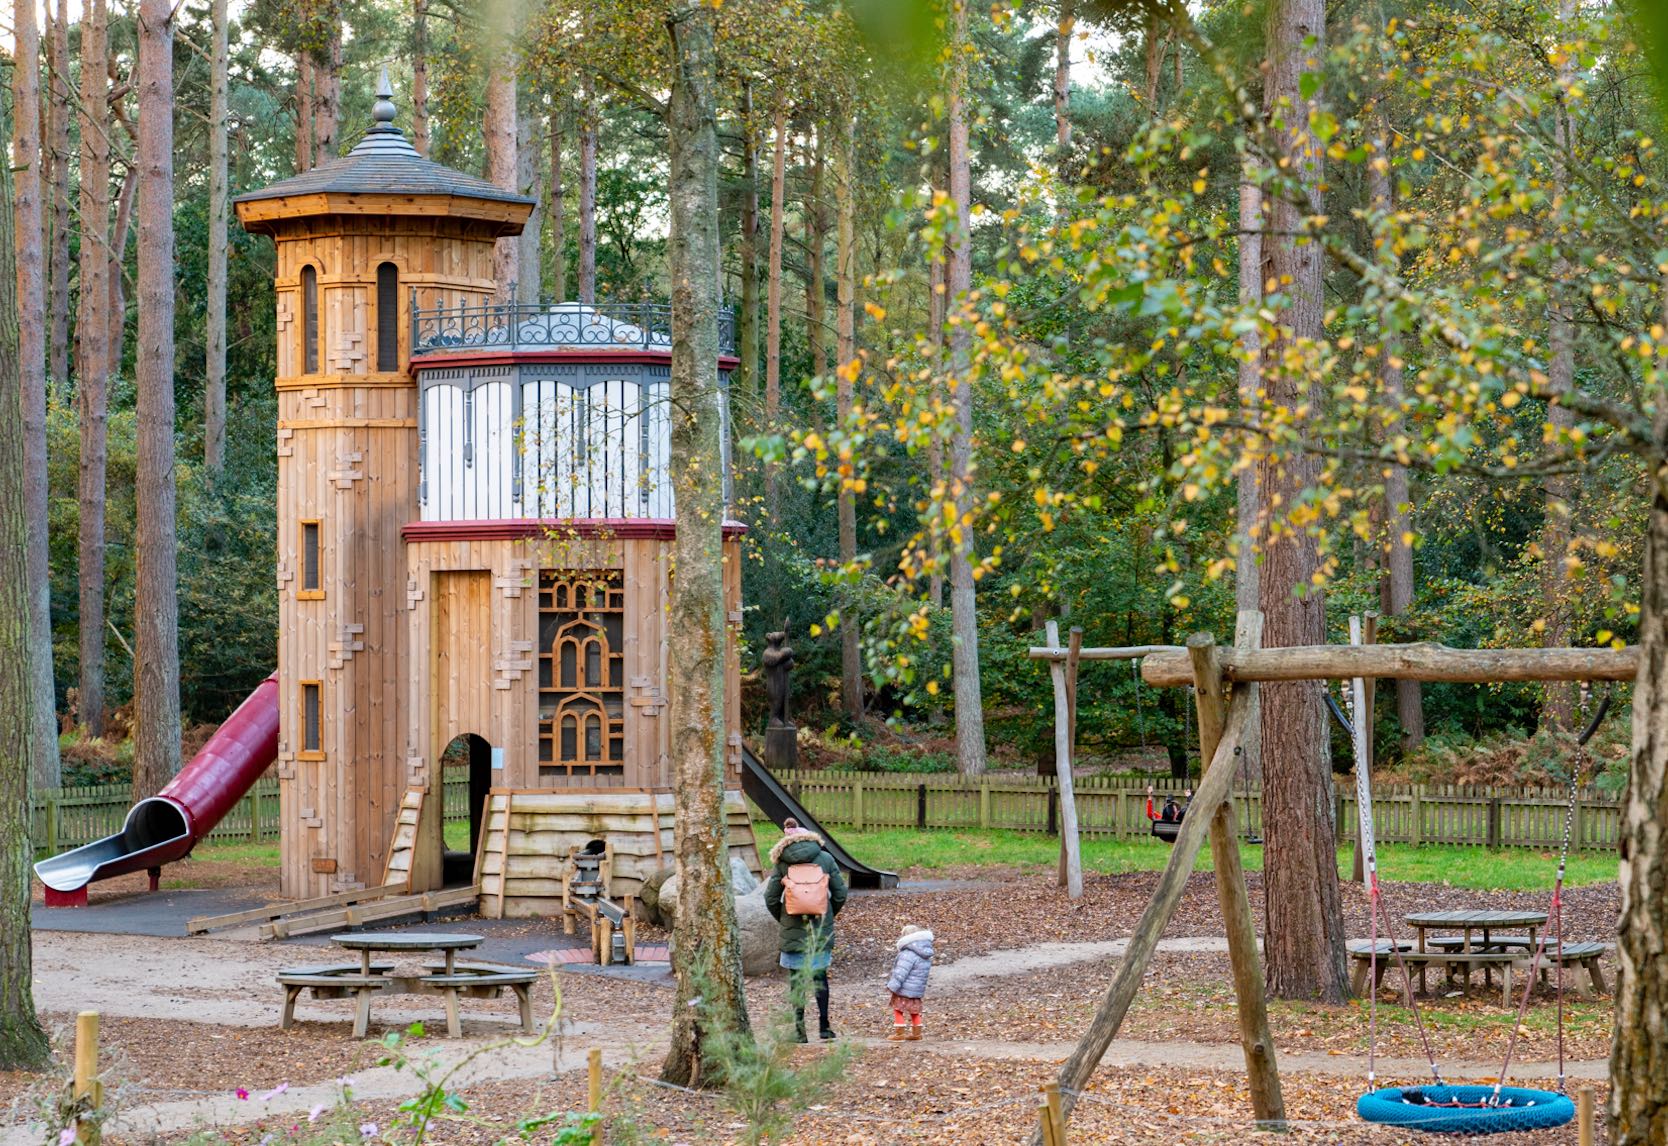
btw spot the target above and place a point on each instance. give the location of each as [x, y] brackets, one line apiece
[473, 543]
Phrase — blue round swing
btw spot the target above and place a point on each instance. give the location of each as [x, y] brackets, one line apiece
[1465, 1110]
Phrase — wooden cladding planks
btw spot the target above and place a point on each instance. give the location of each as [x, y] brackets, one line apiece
[531, 833]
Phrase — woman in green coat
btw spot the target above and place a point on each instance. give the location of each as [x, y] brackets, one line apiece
[807, 941]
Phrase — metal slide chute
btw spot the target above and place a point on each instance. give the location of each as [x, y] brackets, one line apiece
[166, 826]
[778, 803]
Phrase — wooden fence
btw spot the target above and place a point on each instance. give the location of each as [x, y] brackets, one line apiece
[64, 818]
[1411, 814]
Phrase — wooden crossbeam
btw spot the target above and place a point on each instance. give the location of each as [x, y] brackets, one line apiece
[1424, 661]
[389, 908]
[1114, 653]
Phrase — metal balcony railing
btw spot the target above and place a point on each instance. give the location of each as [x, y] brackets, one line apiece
[539, 326]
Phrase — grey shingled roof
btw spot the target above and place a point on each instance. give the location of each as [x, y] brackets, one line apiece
[384, 163]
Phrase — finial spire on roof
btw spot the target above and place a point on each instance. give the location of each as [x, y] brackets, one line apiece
[383, 110]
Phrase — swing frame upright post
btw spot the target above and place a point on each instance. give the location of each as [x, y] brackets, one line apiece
[1210, 695]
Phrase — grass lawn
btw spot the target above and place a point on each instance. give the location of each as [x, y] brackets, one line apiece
[1506, 869]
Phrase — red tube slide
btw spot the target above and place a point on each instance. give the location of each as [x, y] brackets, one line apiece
[168, 825]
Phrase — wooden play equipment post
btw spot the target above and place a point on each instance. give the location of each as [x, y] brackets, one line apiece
[1584, 1116]
[1064, 696]
[594, 1065]
[1051, 1117]
[1362, 631]
[87, 1084]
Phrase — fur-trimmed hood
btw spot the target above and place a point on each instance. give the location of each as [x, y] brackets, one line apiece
[918, 941]
[787, 841]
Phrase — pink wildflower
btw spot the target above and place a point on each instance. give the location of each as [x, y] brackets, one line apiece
[242, 1094]
[313, 1114]
[66, 1136]
[274, 1092]
[367, 1130]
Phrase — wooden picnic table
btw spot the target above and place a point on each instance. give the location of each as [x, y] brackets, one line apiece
[1470, 922]
[445, 976]
[406, 942]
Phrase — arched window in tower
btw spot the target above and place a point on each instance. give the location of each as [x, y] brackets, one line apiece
[309, 320]
[582, 672]
[387, 318]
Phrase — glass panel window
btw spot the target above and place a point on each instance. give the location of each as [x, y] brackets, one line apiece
[312, 584]
[387, 318]
[312, 718]
[309, 320]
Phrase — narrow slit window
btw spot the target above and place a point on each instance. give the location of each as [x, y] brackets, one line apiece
[311, 718]
[309, 320]
[312, 583]
[387, 318]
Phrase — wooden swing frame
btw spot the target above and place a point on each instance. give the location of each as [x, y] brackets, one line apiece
[1225, 682]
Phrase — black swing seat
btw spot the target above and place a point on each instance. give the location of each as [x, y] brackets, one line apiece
[1167, 830]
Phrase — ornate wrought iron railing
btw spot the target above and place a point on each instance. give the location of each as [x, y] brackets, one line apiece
[533, 326]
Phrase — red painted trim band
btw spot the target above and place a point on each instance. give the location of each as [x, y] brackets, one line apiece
[448, 359]
[524, 528]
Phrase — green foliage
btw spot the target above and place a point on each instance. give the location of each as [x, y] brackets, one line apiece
[763, 1078]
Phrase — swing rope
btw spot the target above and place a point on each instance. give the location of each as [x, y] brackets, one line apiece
[1378, 912]
[1577, 771]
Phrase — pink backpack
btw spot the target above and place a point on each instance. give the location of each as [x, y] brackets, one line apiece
[805, 890]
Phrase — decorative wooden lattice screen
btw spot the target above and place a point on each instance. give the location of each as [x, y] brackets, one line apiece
[582, 672]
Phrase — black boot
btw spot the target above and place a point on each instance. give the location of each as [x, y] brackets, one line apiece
[799, 1025]
[827, 1032]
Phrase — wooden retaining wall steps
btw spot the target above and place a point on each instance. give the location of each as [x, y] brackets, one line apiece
[528, 835]
[1499, 817]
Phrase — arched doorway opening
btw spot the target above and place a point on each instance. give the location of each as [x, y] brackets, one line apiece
[467, 755]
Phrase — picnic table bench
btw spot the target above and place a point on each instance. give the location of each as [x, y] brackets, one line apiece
[448, 977]
[1361, 953]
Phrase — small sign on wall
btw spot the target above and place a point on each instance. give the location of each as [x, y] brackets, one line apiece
[497, 759]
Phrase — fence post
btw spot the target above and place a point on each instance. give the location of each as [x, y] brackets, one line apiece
[52, 823]
[857, 803]
[984, 805]
[921, 806]
[594, 1097]
[86, 1083]
[1493, 822]
[1418, 791]
[1575, 823]
[1053, 812]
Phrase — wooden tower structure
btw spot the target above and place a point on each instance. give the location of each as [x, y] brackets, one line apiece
[473, 542]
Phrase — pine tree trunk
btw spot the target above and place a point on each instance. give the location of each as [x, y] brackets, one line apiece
[327, 95]
[156, 747]
[1638, 1049]
[23, 1044]
[845, 278]
[587, 200]
[1062, 87]
[745, 379]
[502, 162]
[1562, 491]
[1248, 503]
[93, 363]
[816, 237]
[117, 336]
[420, 76]
[557, 214]
[58, 139]
[303, 112]
[527, 156]
[1396, 584]
[214, 391]
[1303, 937]
[936, 300]
[28, 223]
[773, 299]
[964, 657]
[706, 952]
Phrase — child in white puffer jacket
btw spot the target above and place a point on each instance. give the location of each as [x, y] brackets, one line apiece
[908, 982]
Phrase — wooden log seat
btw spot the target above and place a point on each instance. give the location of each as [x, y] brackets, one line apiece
[335, 982]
